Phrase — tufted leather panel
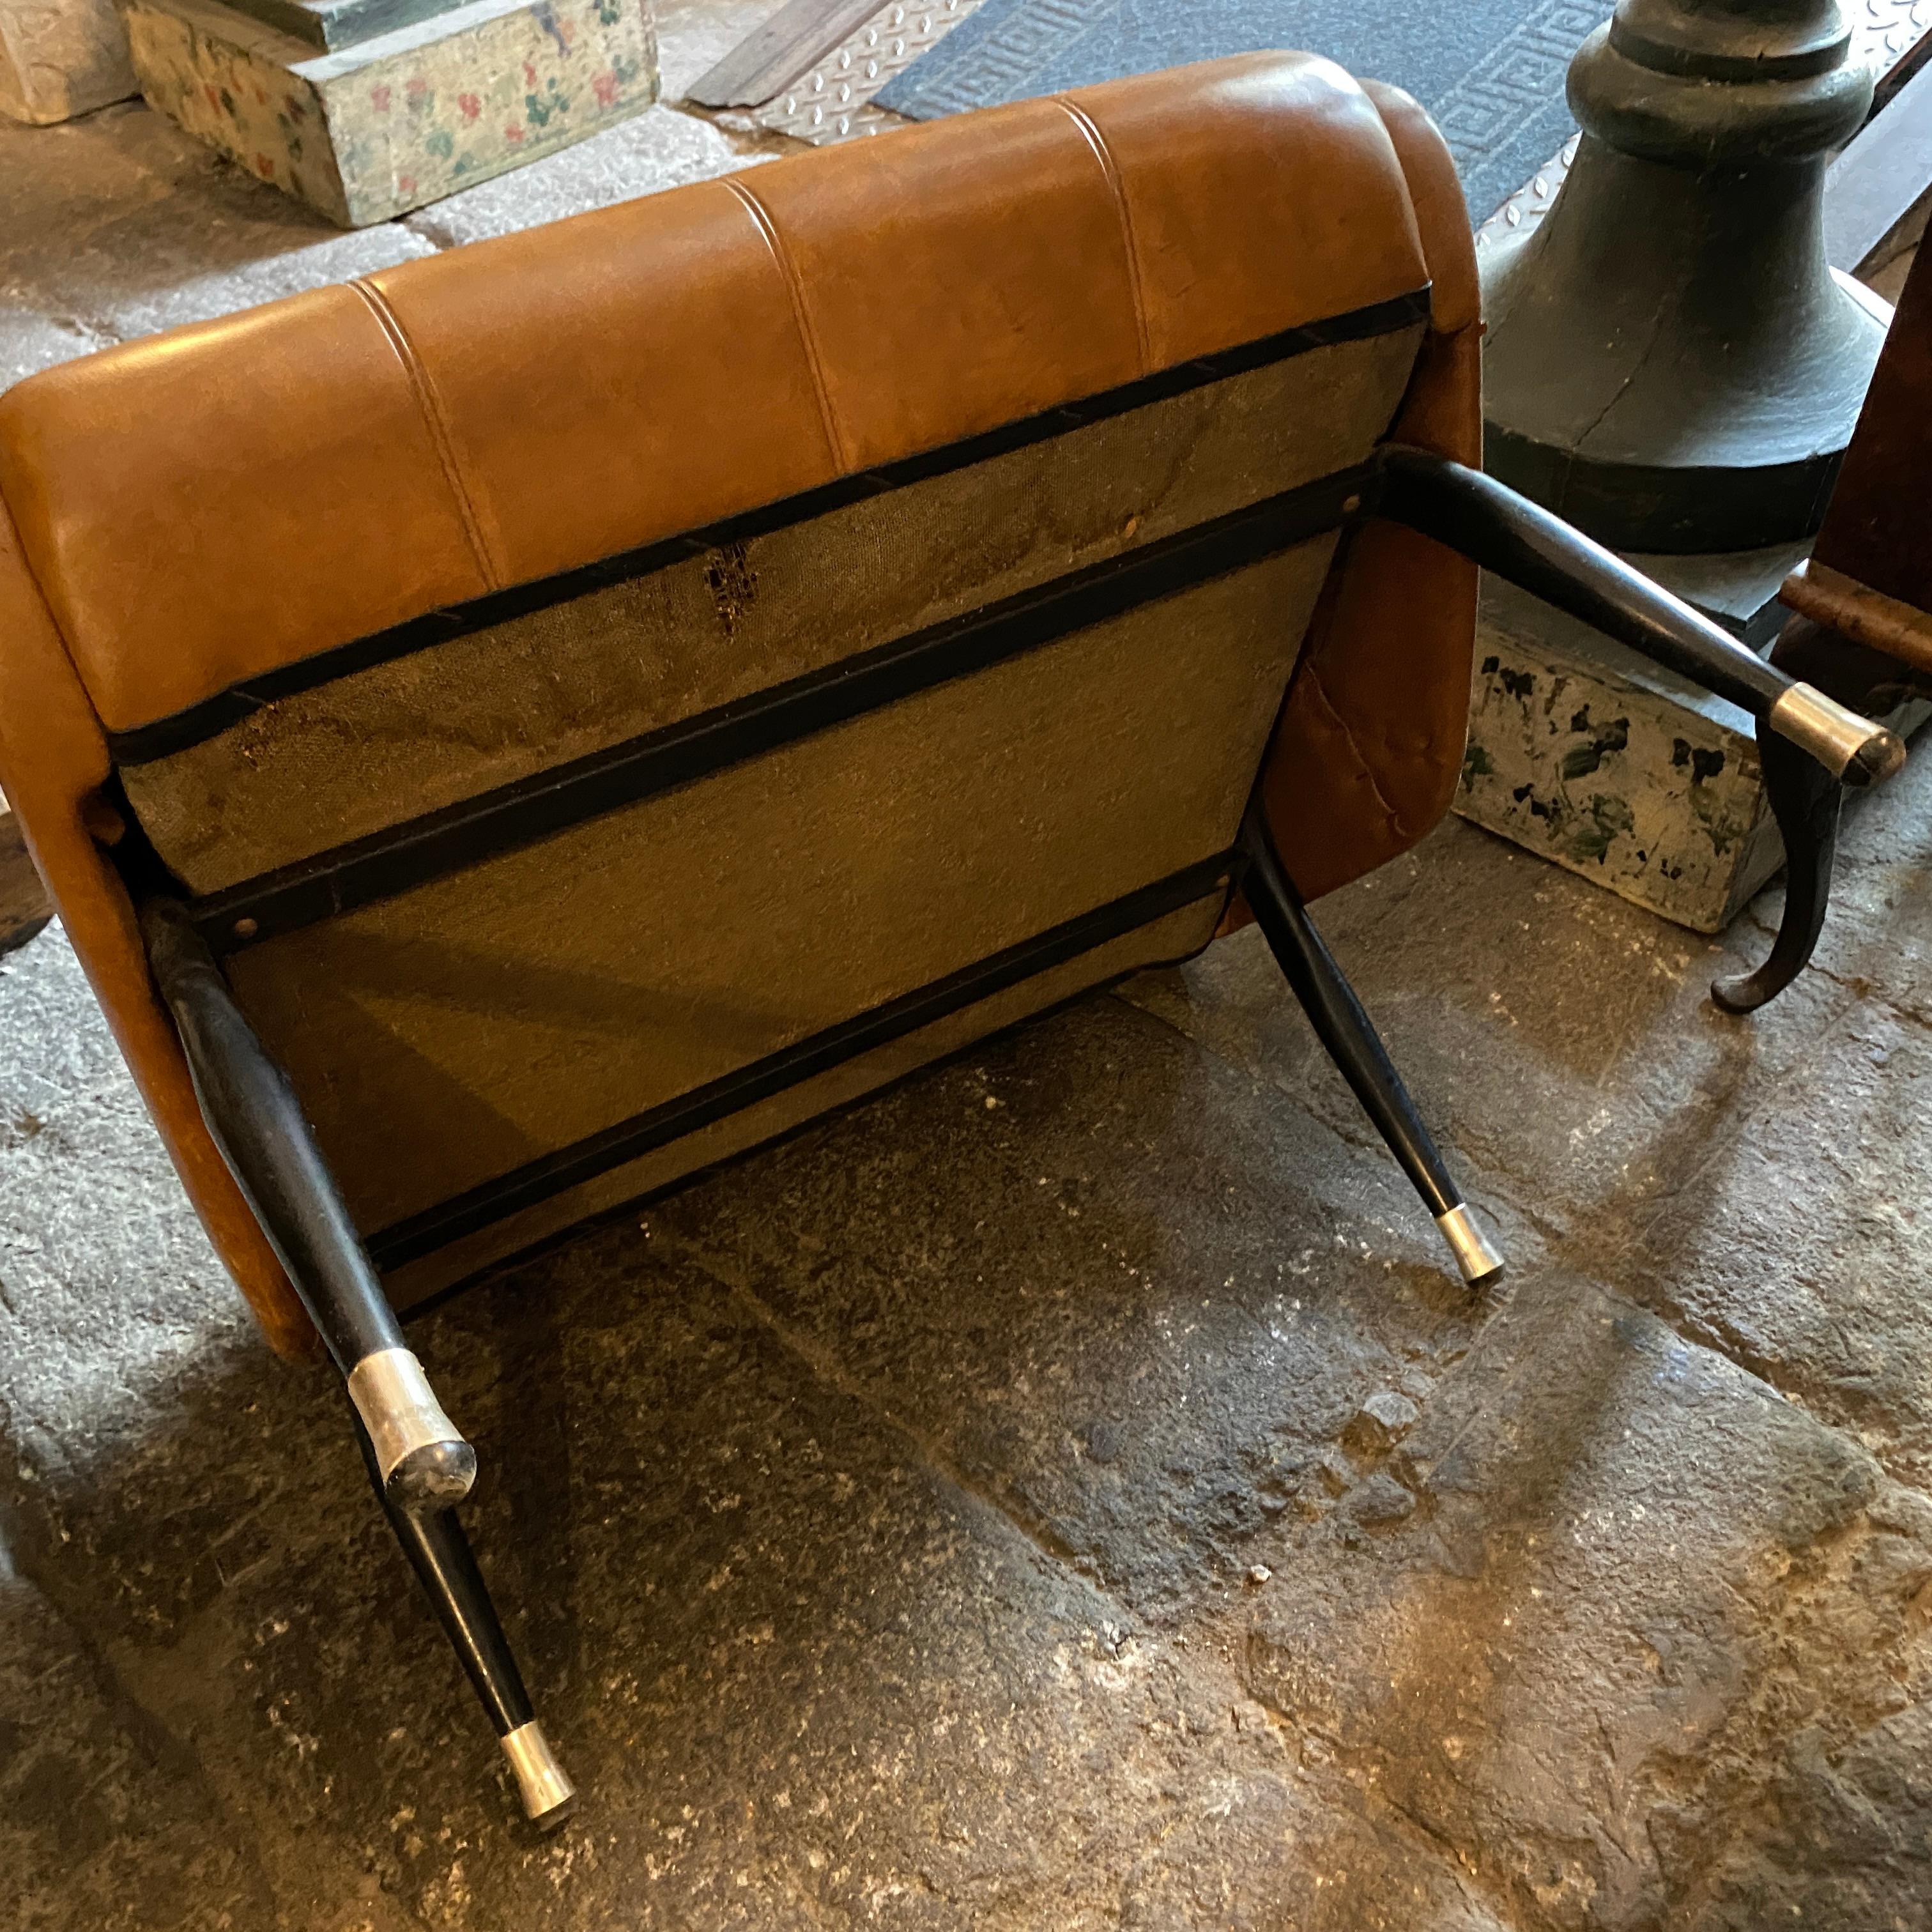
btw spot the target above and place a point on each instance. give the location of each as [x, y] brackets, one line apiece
[229, 497]
[227, 500]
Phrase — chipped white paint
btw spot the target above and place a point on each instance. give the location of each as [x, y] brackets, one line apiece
[1583, 754]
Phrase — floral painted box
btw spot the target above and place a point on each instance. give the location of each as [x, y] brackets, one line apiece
[368, 130]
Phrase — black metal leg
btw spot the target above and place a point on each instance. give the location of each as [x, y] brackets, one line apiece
[1521, 542]
[440, 1555]
[1356, 1047]
[1811, 743]
[418, 1464]
[1805, 800]
[257, 1122]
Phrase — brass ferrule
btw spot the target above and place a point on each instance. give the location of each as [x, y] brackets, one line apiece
[1477, 1259]
[547, 1794]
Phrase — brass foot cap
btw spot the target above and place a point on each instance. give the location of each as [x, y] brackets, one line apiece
[548, 1795]
[1479, 1261]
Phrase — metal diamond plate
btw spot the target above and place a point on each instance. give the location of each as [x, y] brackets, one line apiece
[833, 102]
[1883, 32]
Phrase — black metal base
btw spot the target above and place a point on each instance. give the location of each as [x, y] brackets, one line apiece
[1670, 363]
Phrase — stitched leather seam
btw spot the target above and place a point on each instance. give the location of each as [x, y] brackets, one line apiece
[1354, 746]
[1097, 142]
[437, 423]
[54, 624]
[781, 255]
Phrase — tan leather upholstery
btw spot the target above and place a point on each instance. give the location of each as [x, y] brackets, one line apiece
[1370, 744]
[227, 498]
[198, 509]
[56, 759]
[203, 504]
[721, 622]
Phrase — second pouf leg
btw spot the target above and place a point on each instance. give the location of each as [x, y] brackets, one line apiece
[446, 1566]
[1349, 1035]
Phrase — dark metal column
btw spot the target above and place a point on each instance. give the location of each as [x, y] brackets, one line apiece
[1671, 364]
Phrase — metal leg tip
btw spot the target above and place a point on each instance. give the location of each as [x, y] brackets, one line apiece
[1479, 1262]
[548, 1795]
[433, 1476]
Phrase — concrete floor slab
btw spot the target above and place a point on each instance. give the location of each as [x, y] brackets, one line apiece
[29, 340]
[119, 224]
[1577, 1662]
[1802, 1245]
[657, 149]
[1562, 1043]
[805, 1676]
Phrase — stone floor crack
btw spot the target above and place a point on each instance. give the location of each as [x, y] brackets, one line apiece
[826, 1367]
[1495, 1900]
[1864, 989]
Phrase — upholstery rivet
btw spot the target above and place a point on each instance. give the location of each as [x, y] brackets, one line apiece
[246, 928]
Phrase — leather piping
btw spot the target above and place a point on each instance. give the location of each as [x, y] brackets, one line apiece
[1097, 142]
[841, 455]
[437, 423]
[39, 589]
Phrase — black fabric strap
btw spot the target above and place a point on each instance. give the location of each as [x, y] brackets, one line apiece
[144, 744]
[538, 1180]
[419, 850]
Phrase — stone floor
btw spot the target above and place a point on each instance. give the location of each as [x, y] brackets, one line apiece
[117, 224]
[1067, 1493]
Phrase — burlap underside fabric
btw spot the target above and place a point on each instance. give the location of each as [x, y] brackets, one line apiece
[1166, 942]
[458, 1031]
[367, 751]
[446, 1037]
[472, 1025]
